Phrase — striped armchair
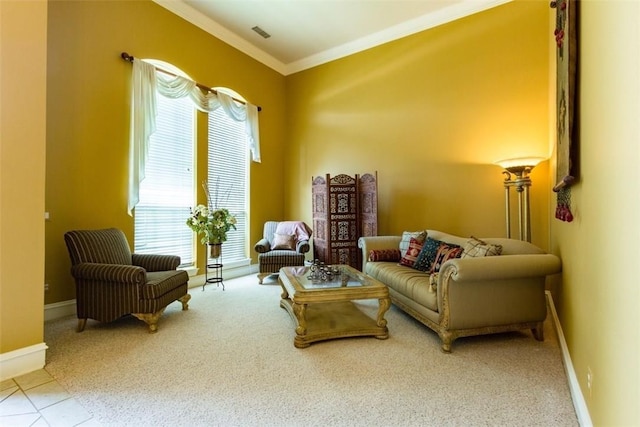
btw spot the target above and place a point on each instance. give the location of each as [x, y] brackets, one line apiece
[112, 282]
[270, 259]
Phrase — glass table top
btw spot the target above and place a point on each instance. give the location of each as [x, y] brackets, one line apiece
[330, 276]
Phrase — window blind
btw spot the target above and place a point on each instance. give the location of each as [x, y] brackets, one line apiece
[167, 192]
[228, 177]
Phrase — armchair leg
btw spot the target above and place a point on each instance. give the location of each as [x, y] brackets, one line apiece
[261, 277]
[184, 300]
[81, 324]
[150, 319]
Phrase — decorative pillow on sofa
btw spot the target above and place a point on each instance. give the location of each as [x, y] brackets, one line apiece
[444, 254]
[284, 241]
[384, 255]
[420, 236]
[409, 259]
[435, 250]
[475, 248]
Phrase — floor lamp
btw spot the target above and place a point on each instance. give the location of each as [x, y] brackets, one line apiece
[516, 172]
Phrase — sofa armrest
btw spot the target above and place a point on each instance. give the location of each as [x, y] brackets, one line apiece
[156, 262]
[495, 290]
[370, 243]
[502, 267]
[262, 246]
[115, 273]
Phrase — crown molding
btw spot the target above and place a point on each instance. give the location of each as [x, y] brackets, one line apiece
[421, 23]
[205, 23]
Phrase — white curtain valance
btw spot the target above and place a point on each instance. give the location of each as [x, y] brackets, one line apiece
[147, 80]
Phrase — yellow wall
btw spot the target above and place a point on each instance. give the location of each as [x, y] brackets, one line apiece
[449, 100]
[23, 70]
[600, 298]
[430, 113]
[88, 115]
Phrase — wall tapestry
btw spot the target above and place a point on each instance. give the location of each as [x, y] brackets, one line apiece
[566, 67]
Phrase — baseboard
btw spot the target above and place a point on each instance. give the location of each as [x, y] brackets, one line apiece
[579, 404]
[59, 309]
[22, 361]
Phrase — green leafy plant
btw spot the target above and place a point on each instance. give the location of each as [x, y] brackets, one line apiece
[212, 221]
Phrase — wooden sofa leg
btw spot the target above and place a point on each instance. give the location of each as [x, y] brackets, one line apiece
[261, 277]
[185, 300]
[150, 319]
[447, 339]
[538, 332]
[81, 324]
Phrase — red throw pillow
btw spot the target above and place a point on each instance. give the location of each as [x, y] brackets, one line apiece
[445, 253]
[384, 255]
[415, 246]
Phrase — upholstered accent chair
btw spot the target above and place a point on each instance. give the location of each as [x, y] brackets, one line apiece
[284, 244]
[111, 282]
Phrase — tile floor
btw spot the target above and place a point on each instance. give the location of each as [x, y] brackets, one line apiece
[37, 400]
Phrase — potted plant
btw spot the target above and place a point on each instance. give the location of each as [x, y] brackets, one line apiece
[212, 222]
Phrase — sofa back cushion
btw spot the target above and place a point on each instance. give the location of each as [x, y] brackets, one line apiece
[509, 246]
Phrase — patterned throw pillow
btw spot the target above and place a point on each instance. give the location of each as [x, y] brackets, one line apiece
[444, 254]
[284, 241]
[413, 251]
[384, 255]
[420, 236]
[475, 248]
[430, 252]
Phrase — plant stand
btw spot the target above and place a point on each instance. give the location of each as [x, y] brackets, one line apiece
[213, 266]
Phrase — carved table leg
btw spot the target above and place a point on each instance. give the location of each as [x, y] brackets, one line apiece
[300, 311]
[384, 304]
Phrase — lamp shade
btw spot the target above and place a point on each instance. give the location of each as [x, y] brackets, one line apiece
[520, 163]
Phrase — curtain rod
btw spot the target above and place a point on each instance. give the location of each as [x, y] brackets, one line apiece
[129, 58]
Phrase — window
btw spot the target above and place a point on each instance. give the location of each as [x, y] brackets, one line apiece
[228, 177]
[167, 192]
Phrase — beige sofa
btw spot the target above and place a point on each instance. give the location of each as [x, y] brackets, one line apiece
[469, 296]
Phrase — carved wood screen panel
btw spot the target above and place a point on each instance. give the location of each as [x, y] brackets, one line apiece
[344, 209]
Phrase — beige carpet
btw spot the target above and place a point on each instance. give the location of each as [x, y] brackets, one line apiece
[230, 361]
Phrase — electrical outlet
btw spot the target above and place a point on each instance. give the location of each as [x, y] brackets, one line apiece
[589, 380]
[46, 287]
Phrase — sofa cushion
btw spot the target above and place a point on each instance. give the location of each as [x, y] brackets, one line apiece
[435, 250]
[384, 255]
[420, 236]
[409, 258]
[444, 254]
[475, 248]
[409, 282]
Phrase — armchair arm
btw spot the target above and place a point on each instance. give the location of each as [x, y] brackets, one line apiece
[370, 243]
[262, 246]
[302, 247]
[156, 262]
[116, 273]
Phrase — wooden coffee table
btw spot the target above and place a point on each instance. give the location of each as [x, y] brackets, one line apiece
[324, 310]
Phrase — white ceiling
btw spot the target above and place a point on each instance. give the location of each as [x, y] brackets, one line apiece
[306, 33]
